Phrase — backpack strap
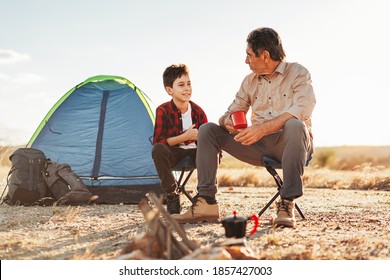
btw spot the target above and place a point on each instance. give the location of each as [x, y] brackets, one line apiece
[30, 174]
[2, 198]
[2, 194]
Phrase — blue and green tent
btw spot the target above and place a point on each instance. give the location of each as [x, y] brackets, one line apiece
[103, 128]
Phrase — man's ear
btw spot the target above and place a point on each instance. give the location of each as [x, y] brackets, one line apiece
[168, 90]
[266, 56]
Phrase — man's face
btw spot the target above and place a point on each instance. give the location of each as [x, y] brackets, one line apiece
[181, 89]
[256, 63]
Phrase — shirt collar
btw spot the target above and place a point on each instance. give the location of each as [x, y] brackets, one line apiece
[174, 105]
[174, 108]
[280, 69]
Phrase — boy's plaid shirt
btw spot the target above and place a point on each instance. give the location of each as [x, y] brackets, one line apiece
[168, 121]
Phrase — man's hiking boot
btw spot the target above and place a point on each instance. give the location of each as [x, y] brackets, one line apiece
[199, 211]
[285, 213]
[173, 203]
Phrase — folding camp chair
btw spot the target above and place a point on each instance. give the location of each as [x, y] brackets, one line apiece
[271, 164]
[186, 165]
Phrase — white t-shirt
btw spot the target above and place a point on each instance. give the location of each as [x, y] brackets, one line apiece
[186, 123]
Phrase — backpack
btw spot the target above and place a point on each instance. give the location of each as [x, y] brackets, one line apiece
[25, 179]
[66, 186]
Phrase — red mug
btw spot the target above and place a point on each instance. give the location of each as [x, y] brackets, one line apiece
[239, 120]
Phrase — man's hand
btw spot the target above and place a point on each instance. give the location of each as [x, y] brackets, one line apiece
[254, 133]
[229, 126]
[251, 134]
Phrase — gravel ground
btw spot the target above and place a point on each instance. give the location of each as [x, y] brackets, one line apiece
[340, 224]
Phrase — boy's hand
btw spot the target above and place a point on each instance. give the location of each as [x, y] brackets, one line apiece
[191, 133]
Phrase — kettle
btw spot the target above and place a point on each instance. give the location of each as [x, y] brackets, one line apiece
[235, 229]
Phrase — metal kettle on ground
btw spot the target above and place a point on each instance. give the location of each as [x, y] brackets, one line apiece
[235, 229]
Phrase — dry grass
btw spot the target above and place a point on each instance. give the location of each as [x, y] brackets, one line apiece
[346, 168]
[367, 178]
[355, 170]
[332, 167]
[351, 158]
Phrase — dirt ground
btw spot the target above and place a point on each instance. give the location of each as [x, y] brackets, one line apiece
[340, 224]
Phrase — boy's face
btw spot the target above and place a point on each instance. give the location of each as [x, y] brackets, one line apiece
[181, 89]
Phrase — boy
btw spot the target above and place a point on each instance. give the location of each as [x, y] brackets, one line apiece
[175, 131]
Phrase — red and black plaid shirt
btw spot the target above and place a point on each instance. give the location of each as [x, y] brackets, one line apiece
[168, 121]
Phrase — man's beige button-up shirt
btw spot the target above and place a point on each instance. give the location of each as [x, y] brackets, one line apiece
[288, 89]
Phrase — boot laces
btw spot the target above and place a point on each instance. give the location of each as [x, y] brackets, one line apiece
[173, 204]
[286, 207]
[195, 203]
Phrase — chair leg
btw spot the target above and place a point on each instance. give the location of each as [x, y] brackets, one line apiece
[273, 199]
[181, 177]
[268, 204]
[279, 183]
[300, 212]
[182, 185]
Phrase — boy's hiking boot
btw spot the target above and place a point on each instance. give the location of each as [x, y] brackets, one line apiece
[173, 203]
[199, 211]
[285, 213]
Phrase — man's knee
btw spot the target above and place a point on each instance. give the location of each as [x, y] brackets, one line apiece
[294, 125]
[206, 129]
[295, 130]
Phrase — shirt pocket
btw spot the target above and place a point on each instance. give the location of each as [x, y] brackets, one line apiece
[284, 99]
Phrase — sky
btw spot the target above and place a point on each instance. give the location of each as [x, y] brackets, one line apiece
[48, 46]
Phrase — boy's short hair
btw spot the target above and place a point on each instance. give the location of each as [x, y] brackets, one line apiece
[173, 72]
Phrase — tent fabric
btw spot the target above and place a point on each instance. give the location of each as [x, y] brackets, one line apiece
[103, 128]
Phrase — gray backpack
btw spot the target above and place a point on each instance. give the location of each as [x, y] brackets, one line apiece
[66, 186]
[25, 179]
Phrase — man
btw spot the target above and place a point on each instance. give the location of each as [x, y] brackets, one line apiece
[281, 97]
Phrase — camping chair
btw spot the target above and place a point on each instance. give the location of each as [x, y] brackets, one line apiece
[187, 164]
[271, 164]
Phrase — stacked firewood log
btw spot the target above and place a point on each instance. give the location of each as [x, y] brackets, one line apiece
[160, 242]
[166, 239]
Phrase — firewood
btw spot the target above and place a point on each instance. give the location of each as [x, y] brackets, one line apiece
[190, 244]
[158, 230]
[161, 226]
